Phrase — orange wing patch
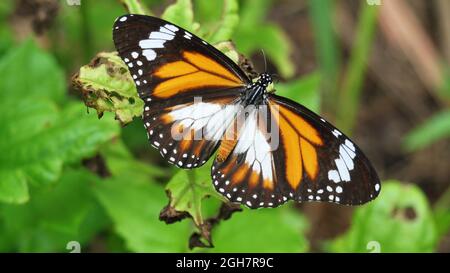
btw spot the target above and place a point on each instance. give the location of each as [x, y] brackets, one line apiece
[300, 125]
[206, 64]
[187, 82]
[175, 69]
[309, 158]
[195, 71]
[299, 138]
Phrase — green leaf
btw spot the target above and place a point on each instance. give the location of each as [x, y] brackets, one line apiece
[107, 86]
[52, 218]
[43, 77]
[187, 189]
[229, 50]
[120, 161]
[399, 220]
[181, 13]
[442, 219]
[305, 90]
[13, 187]
[37, 139]
[219, 22]
[135, 7]
[133, 205]
[263, 230]
[254, 34]
[434, 129]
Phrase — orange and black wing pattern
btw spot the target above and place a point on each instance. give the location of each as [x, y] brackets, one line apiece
[307, 159]
[185, 84]
[168, 62]
[269, 149]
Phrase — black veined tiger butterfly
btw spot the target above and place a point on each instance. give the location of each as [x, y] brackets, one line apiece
[310, 161]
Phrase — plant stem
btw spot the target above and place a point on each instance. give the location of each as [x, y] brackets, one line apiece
[328, 51]
[352, 83]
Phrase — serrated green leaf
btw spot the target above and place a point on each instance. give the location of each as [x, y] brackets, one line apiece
[133, 205]
[263, 230]
[434, 129]
[42, 79]
[187, 189]
[399, 220]
[107, 86]
[181, 13]
[305, 90]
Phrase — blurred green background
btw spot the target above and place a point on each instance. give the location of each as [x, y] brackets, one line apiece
[72, 182]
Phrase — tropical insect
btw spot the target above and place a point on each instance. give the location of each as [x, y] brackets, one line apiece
[269, 149]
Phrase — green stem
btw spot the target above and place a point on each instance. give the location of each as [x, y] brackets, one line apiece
[327, 50]
[86, 32]
[351, 87]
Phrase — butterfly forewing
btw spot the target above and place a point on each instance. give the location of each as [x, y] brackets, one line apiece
[167, 61]
[245, 169]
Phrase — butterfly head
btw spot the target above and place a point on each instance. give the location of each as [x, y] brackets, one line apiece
[265, 79]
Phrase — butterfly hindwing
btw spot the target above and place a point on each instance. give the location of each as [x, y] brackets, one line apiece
[187, 133]
[245, 169]
[311, 161]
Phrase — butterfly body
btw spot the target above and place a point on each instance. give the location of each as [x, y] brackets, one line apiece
[256, 93]
[269, 149]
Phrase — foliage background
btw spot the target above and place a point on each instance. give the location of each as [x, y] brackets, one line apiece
[379, 72]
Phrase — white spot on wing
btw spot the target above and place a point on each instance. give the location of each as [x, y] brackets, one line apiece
[151, 43]
[171, 27]
[377, 187]
[160, 35]
[150, 54]
[333, 175]
[349, 144]
[342, 169]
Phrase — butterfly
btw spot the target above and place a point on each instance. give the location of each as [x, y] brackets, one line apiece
[269, 149]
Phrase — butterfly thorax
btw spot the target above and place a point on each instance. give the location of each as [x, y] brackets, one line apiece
[256, 92]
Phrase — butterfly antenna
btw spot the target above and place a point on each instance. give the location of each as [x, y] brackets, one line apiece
[265, 60]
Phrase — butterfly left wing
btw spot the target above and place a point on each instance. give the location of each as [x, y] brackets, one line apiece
[172, 68]
[311, 161]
